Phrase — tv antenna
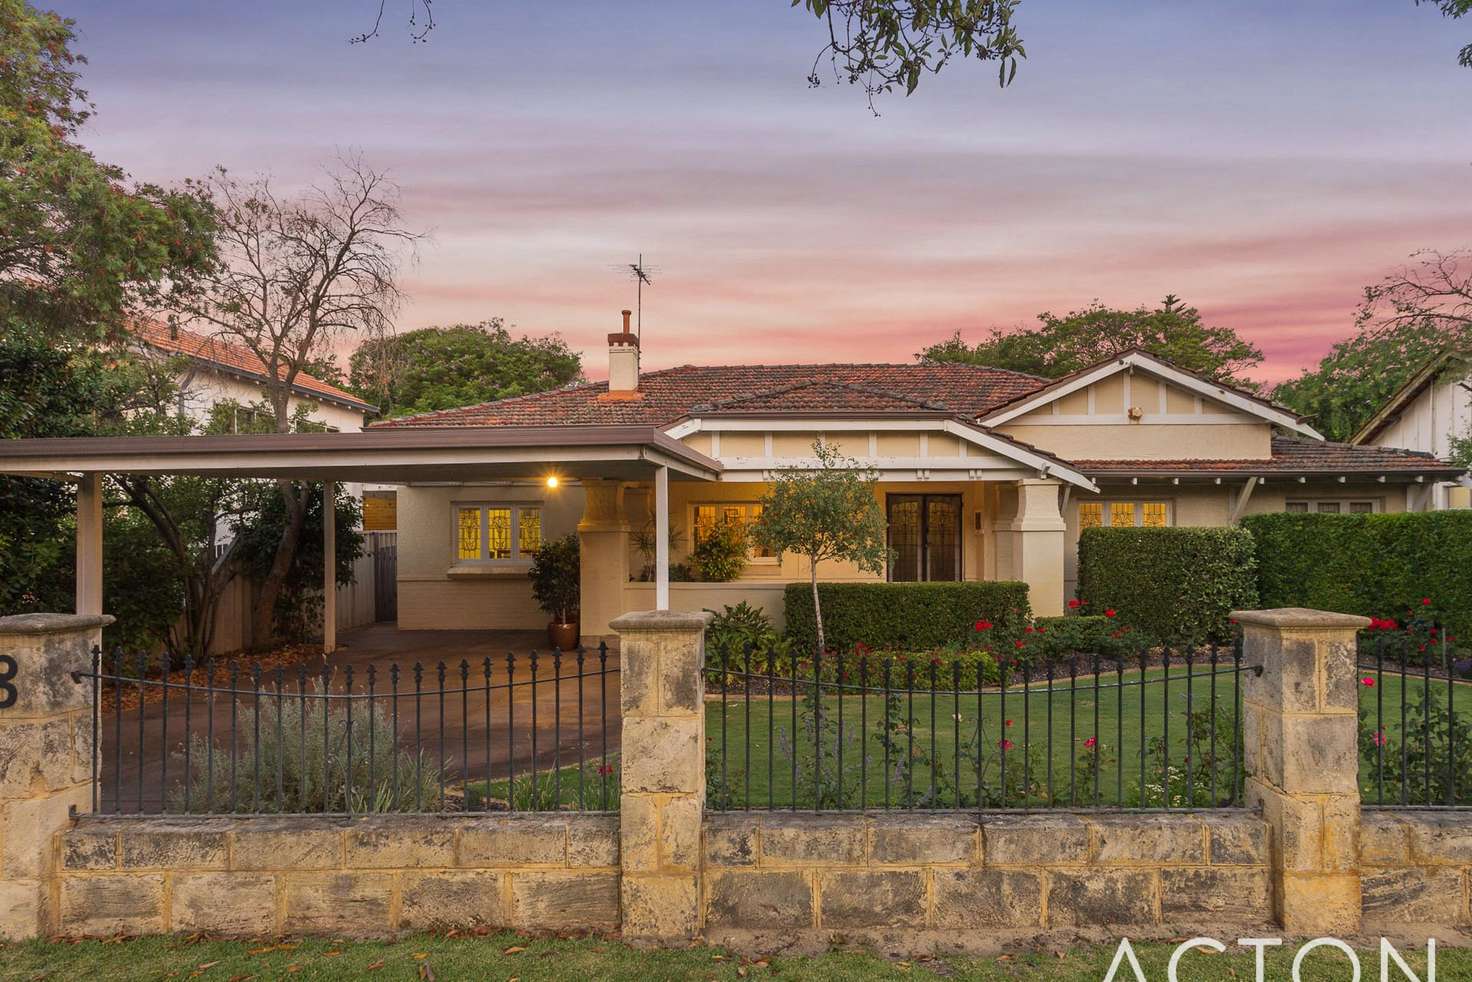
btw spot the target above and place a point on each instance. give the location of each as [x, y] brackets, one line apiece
[641, 275]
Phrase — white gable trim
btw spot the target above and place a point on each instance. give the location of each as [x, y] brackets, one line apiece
[1168, 373]
[1029, 463]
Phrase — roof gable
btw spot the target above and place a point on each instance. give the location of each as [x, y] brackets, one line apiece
[1408, 393]
[1136, 360]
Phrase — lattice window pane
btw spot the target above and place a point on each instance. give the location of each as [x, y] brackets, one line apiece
[705, 520]
[1361, 507]
[1155, 515]
[1328, 508]
[1121, 514]
[1298, 507]
[1090, 514]
[529, 527]
[467, 533]
[498, 533]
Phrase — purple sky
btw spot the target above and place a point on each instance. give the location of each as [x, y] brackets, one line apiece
[1264, 160]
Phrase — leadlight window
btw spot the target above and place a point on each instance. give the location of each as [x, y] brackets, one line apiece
[744, 513]
[497, 532]
[1123, 514]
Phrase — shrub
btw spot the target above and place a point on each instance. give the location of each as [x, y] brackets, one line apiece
[1375, 565]
[734, 630]
[1170, 584]
[313, 775]
[908, 616]
[1080, 635]
[557, 579]
[720, 554]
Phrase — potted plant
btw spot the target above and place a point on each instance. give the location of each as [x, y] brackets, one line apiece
[557, 587]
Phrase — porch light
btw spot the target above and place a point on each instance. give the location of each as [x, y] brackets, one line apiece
[552, 481]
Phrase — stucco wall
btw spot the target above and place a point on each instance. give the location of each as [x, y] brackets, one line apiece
[203, 388]
[436, 593]
[343, 877]
[1416, 868]
[920, 879]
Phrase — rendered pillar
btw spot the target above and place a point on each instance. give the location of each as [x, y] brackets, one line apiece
[1300, 730]
[1037, 545]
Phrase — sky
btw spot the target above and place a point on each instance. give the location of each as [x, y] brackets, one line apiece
[1263, 160]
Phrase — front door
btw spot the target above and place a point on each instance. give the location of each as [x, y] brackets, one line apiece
[924, 537]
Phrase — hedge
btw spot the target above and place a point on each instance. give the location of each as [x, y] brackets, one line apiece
[1172, 584]
[1375, 565]
[905, 616]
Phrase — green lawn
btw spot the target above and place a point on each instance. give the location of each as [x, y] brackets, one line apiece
[507, 956]
[752, 747]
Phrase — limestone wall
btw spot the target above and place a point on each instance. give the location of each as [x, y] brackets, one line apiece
[362, 877]
[962, 875]
[1416, 868]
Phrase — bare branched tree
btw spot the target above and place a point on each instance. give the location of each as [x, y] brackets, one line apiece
[1434, 289]
[293, 277]
[421, 22]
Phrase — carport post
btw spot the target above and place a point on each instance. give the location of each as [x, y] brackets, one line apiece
[329, 566]
[89, 545]
[662, 538]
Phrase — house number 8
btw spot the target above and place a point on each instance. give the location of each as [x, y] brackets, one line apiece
[8, 693]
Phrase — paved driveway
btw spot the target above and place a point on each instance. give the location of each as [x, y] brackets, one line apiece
[481, 737]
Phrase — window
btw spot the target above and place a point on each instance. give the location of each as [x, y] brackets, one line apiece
[1123, 514]
[497, 533]
[738, 512]
[1333, 507]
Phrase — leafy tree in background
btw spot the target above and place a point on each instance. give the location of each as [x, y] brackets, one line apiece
[1454, 10]
[1358, 375]
[460, 365]
[823, 512]
[1416, 313]
[1060, 346]
[80, 247]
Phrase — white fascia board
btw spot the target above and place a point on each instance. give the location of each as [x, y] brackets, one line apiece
[761, 471]
[1034, 463]
[1175, 376]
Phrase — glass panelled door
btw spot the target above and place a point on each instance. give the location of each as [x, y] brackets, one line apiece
[925, 537]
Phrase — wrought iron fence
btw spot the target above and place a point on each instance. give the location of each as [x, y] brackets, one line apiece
[1415, 721]
[1152, 730]
[525, 732]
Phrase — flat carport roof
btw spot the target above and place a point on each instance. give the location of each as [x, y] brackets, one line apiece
[386, 456]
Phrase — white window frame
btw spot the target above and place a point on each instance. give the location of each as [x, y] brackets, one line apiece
[516, 508]
[1139, 508]
[1312, 505]
[751, 558]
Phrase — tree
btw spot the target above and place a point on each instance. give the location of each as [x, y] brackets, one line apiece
[1434, 289]
[829, 511]
[1454, 10]
[1081, 338]
[293, 276]
[1358, 375]
[80, 248]
[444, 367]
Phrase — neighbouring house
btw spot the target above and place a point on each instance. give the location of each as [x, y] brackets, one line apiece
[1426, 414]
[984, 474]
[219, 371]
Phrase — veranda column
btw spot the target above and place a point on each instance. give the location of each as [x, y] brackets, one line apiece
[89, 547]
[1037, 545]
[45, 756]
[1299, 731]
[603, 541]
[662, 783]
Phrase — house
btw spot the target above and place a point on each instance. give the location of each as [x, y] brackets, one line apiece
[983, 473]
[218, 371]
[1425, 414]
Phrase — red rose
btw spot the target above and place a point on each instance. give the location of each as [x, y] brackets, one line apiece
[983, 625]
[1091, 742]
[1018, 644]
[1109, 612]
[1367, 682]
[1006, 744]
[1075, 603]
[1028, 630]
[1425, 601]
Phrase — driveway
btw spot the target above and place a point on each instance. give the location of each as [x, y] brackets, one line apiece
[474, 737]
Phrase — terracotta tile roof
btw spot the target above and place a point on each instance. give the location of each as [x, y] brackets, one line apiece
[1291, 456]
[234, 358]
[670, 394]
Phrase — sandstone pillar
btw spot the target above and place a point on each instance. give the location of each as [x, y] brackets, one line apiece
[662, 793]
[1037, 549]
[603, 539]
[1300, 728]
[45, 756]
